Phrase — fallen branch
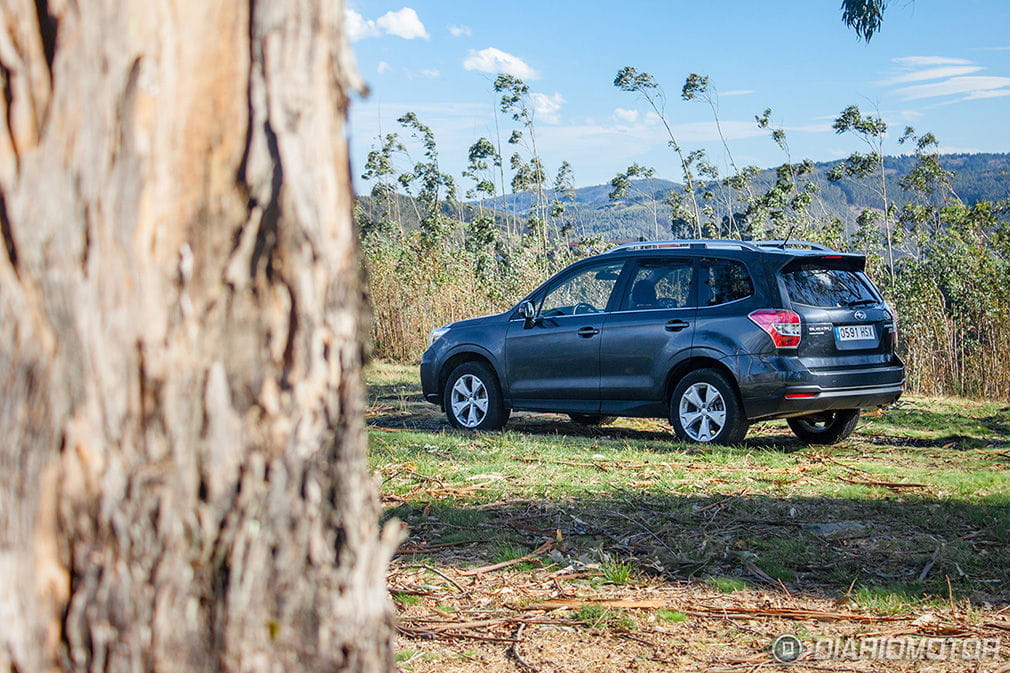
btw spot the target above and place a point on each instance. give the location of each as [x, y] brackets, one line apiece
[790, 613]
[424, 549]
[505, 564]
[437, 572]
[558, 603]
[566, 463]
[893, 485]
[929, 566]
[514, 650]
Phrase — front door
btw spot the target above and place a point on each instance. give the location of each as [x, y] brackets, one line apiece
[554, 364]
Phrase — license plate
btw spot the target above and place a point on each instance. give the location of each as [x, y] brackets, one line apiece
[855, 332]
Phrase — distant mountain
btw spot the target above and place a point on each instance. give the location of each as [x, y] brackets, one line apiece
[978, 177]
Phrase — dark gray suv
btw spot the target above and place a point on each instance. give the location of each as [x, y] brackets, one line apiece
[712, 334]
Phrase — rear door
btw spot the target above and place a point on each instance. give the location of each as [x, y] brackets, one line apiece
[846, 322]
[655, 322]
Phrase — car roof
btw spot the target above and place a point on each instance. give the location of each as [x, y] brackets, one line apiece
[790, 247]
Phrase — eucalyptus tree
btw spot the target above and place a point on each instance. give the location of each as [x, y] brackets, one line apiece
[481, 232]
[785, 204]
[426, 182]
[645, 85]
[380, 168]
[864, 16]
[623, 183]
[563, 197]
[930, 185]
[184, 482]
[699, 87]
[871, 130]
[482, 160]
[528, 174]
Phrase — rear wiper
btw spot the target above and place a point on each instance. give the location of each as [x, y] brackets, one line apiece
[860, 302]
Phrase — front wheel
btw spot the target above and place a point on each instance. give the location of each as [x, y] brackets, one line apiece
[472, 398]
[704, 408]
[826, 427]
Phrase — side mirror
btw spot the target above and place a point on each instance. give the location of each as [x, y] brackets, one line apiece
[528, 312]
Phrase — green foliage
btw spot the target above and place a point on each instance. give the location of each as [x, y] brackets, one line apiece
[672, 616]
[864, 16]
[727, 585]
[617, 572]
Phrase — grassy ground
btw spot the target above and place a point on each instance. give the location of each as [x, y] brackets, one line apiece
[626, 550]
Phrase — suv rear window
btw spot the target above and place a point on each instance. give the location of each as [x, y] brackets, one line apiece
[815, 285]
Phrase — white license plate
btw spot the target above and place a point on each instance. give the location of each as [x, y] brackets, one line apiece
[855, 332]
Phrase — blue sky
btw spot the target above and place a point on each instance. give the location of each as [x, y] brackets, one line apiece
[938, 65]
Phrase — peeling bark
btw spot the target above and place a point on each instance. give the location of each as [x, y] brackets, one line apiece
[182, 478]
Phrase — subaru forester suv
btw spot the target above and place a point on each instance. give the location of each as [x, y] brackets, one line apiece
[712, 334]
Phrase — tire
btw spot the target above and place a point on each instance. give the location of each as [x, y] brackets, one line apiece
[705, 409]
[827, 427]
[472, 398]
[594, 420]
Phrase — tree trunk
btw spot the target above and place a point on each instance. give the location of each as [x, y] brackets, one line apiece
[183, 483]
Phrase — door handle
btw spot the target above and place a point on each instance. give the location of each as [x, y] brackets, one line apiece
[676, 325]
[587, 332]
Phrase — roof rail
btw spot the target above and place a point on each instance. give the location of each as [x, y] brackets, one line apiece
[685, 243]
[793, 244]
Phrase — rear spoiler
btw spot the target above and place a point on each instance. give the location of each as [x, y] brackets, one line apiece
[835, 260]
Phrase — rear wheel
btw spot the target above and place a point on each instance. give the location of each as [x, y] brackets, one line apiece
[594, 420]
[472, 398]
[826, 427]
[704, 408]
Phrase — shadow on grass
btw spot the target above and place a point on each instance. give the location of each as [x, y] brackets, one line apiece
[887, 555]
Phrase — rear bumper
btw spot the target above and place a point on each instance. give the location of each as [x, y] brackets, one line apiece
[780, 387]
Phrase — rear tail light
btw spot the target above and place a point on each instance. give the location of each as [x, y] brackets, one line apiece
[784, 327]
[894, 326]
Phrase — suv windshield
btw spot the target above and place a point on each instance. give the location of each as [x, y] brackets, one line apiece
[827, 288]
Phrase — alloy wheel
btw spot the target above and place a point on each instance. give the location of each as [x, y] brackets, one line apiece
[469, 400]
[702, 411]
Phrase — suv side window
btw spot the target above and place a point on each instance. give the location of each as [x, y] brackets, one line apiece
[723, 281]
[587, 291]
[659, 283]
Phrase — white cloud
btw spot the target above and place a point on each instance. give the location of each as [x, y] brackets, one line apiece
[404, 23]
[975, 87]
[493, 61]
[989, 93]
[918, 61]
[431, 73]
[383, 68]
[460, 31]
[932, 73]
[547, 108]
[736, 92]
[627, 116]
[358, 27]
